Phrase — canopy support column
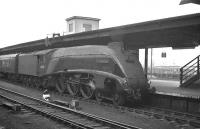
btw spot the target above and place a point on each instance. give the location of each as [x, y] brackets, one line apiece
[146, 62]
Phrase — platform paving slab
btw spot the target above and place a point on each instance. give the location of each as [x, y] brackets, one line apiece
[169, 87]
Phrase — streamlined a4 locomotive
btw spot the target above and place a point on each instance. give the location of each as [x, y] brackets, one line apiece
[103, 72]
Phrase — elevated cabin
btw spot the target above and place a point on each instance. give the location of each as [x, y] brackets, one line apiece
[77, 24]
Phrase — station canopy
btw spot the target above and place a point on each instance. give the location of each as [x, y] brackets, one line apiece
[175, 32]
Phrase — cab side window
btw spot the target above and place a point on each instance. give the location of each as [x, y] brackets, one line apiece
[41, 59]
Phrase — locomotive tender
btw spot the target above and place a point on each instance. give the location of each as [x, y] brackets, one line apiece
[103, 72]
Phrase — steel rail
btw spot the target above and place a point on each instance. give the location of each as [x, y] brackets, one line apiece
[167, 114]
[158, 113]
[107, 122]
[44, 113]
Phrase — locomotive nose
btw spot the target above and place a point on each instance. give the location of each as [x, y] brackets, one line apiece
[130, 85]
[135, 83]
[136, 86]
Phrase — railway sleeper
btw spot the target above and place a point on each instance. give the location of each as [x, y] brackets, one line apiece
[195, 123]
[13, 106]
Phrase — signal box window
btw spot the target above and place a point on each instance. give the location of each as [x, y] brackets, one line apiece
[87, 27]
[70, 27]
[163, 54]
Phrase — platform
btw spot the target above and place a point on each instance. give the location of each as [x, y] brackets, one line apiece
[172, 88]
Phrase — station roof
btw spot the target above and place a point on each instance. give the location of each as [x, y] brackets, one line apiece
[176, 32]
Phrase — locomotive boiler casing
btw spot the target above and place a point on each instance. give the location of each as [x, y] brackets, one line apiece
[111, 59]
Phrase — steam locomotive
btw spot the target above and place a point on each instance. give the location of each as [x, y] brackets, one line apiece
[104, 72]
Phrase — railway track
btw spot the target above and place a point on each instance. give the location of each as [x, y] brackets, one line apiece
[181, 119]
[72, 118]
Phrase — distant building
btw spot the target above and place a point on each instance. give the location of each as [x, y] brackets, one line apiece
[166, 62]
[78, 24]
[169, 57]
[165, 72]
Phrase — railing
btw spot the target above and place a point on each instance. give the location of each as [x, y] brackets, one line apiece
[190, 72]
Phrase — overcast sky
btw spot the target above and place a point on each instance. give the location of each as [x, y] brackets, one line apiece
[27, 20]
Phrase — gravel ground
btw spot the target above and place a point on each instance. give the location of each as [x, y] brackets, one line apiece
[135, 119]
[25, 120]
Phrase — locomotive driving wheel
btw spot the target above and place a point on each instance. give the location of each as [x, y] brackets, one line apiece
[98, 95]
[36, 83]
[60, 85]
[87, 90]
[118, 99]
[73, 87]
